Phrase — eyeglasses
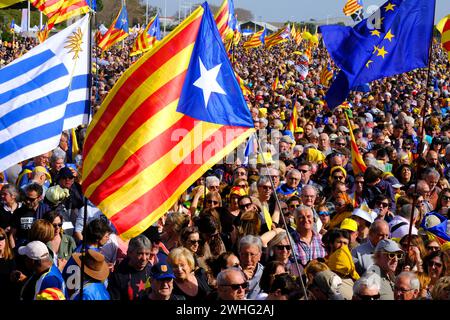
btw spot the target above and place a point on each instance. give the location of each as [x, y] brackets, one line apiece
[236, 286]
[57, 225]
[212, 202]
[303, 171]
[392, 255]
[2, 238]
[402, 290]
[245, 206]
[445, 198]
[368, 297]
[214, 187]
[31, 199]
[281, 247]
[266, 187]
[383, 204]
[242, 185]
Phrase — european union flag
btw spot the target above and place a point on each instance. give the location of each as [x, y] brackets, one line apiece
[393, 40]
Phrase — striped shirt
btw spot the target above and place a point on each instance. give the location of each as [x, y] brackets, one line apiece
[305, 252]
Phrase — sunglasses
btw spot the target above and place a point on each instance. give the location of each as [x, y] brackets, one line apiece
[341, 144]
[237, 286]
[293, 206]
[433, 248]
[445, 198]
[338, 177]
[212, 202]
[30, 199]
[392, 255]
[245, 206]
[369, 297]
[57, 225]
[194, 241]
[2, 238]
[266, 187]
[383, 204]
[323, 213]
[280, 247]
[437, 264]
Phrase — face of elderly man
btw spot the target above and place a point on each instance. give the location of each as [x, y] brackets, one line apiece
[304, 219]
[308, 196]
[403, 290]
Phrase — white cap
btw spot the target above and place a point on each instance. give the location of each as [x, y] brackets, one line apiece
[35, 250]
[363, 215]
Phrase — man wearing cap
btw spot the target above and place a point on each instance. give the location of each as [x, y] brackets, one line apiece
[25, 175]
[73, 203]
[41, 176]
[386, 257]
[363, 254]
[298, 134]
[399, 226]
[352, 227]
[45, 274]
[96, 271]
[162, 283]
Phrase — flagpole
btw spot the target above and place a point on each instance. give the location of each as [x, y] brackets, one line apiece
[282, 218]
[28, 18]
[422, 131]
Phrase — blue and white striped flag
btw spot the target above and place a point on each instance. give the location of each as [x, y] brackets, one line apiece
[43, 93]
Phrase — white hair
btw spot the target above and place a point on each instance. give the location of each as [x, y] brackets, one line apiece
[211, 180]
[370, 280]
[413, 280]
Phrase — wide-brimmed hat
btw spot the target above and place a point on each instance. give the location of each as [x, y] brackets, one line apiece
[95, 265]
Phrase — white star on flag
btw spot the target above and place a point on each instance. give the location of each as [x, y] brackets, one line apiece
[208, 81]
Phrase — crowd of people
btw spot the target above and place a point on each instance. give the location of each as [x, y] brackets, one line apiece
[293, 221]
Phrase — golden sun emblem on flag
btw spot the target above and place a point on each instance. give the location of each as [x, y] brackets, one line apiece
[164, 268]
[74, 43]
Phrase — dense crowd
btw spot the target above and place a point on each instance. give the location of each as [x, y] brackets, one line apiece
[292, 221]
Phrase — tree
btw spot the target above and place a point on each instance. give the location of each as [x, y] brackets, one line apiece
[244, 14]
[135, 8]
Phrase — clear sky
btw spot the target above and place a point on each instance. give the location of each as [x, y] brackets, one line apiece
[283, 10]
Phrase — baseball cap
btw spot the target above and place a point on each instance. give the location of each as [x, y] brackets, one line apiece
[298, 130]
[162, 271]
[35, 250]
[363, 215]
[65, 172]
[388, 246]
[349, 224]
[344, 129]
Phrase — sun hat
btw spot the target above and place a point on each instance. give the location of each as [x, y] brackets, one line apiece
[95, 265]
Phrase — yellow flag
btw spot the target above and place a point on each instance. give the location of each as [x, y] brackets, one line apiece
[268, 217]
[7, 3]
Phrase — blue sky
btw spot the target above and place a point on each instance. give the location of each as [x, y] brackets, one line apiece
[297, 10]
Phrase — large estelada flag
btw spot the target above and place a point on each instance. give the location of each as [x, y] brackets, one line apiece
[226, 19]
[147, 38]
[117, 31]
[172, 115]
[257, 39]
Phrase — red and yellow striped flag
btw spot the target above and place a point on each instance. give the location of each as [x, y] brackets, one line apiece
[357, 161]
[255, 40]
[293, 122]
[278, 37]
[245, 91]
[224, 18]
[170, 117]
[444, 28]
[275, 83]
[43, 34]
[351, 6]
[59, 11]
[145, 41]
[293, 32]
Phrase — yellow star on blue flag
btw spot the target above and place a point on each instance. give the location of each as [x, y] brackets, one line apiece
[394, 40]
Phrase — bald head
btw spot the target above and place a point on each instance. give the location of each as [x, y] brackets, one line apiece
[378, 231]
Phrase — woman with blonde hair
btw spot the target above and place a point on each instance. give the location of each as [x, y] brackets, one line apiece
[189, 282]
[173, 225]
[279, 249]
